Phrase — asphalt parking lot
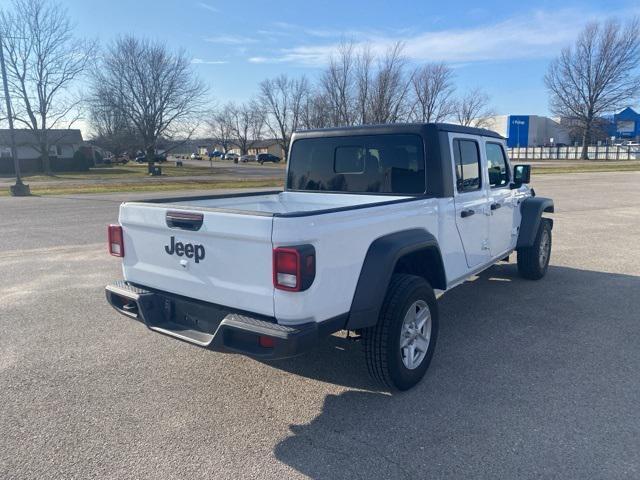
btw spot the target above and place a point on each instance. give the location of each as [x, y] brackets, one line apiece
[529, 380]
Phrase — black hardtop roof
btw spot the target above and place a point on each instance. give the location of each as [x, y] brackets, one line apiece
[395, 128]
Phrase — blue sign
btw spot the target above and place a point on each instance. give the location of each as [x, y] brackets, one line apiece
[626, 124]
[518, 131]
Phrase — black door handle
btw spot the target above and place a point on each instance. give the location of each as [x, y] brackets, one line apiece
[467, 213]
[495, 206]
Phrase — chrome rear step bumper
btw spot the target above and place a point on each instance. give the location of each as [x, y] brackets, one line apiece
[215, 327]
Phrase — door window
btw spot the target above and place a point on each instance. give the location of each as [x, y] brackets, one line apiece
[466, 155]
[497, 165]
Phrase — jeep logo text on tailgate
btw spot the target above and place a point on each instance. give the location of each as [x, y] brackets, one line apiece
[189, 250]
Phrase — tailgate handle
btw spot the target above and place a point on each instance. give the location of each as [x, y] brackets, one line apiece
[184, 220]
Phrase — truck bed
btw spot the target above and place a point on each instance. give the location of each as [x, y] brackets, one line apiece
[279, 203]
[234, 235]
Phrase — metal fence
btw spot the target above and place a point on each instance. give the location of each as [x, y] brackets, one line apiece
[602, 152]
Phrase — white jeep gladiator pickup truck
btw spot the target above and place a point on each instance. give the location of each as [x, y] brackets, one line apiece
[372, 219]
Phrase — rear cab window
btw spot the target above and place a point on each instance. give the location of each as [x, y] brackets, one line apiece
[385, 164]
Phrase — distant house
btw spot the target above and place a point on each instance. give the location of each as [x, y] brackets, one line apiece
[203, 146]
[254, 147]
[217, 147]
[271, 146]
[63, 144]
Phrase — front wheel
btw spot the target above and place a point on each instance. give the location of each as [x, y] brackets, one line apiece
[533, 261]
[399, 348]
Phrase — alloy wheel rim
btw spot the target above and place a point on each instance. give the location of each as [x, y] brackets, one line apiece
[415, 336]
[544, 249]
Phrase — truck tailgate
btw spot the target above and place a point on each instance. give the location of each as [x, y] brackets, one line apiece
[227, 260]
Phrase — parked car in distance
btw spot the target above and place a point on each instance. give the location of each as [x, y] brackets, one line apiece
[120, 160]
[215, 154]
[159, 158]
[105, 160]
[195, 156]
[247, 158]
[231, 156]
[267, 157]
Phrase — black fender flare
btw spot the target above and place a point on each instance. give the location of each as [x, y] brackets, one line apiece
[378, 266]
[532, 209]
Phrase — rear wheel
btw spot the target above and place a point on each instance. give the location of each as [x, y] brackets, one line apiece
[533, 261]
[399, 348]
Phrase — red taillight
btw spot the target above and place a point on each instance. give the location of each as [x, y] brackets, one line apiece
[294, 268]
[286, 269]
[116, 243]
[266, 342]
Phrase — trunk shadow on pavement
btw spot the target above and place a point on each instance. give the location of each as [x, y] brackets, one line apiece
[528, 379]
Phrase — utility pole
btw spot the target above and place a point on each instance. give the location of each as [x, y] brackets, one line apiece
[19, 189]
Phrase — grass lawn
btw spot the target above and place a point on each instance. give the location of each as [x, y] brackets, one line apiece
[126, 172]
[629, 166]
[147, 187]
[122, 171]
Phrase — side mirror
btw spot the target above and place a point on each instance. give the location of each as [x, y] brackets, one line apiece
[521, 175]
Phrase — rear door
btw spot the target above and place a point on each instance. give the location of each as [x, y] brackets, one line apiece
[226, 260]
[501, 198]
[472, 217]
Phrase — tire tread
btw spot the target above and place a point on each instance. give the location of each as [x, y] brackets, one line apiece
[376, 338]
[528, 265]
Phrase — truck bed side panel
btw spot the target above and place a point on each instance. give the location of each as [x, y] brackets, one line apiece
[341, 241]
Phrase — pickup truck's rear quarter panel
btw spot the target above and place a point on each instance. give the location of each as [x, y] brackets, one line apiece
[341, 240]
[236, 271]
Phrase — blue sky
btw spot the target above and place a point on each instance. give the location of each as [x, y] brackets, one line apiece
[500, 46]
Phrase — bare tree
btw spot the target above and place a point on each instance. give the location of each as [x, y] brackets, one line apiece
[390, 86]
[246, 123]
[221, 127]
[358, 87]
[472, 109]
[433, 89]
[154, 89]
[111, 130]
[44, 61]
[283, 100]
[597, 75]
[258, 119]
[363, 82]
[317, 111]
[338, 84]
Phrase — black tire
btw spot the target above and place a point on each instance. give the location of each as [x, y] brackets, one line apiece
[383, 354]
[533, 262]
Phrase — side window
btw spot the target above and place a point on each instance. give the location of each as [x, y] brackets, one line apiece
[466, 155]
[497, 165]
